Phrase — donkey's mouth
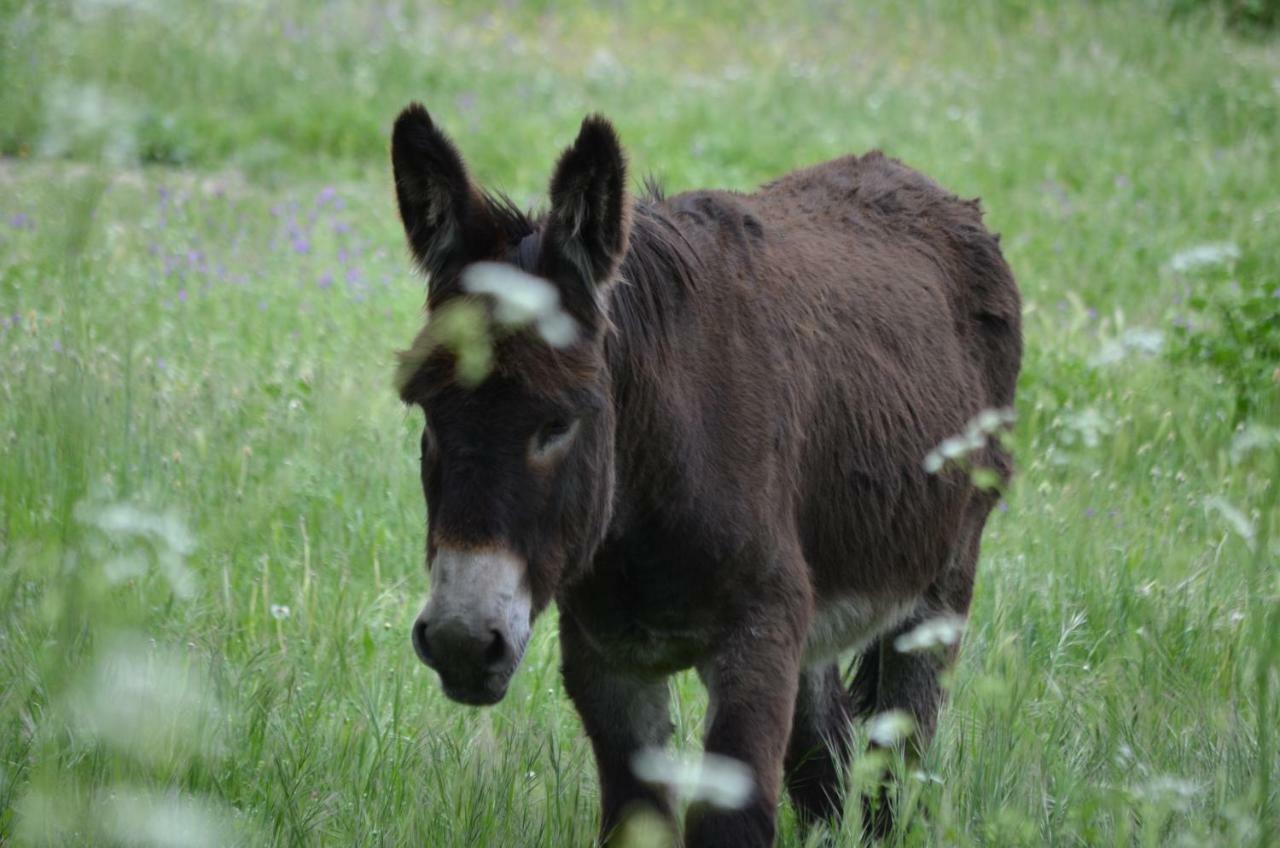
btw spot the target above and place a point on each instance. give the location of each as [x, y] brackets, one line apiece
[487, 690]
[485, 696]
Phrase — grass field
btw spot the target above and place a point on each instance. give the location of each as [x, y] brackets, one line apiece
[211, 529]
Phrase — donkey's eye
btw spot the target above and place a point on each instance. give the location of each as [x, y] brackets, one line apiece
[554, 434]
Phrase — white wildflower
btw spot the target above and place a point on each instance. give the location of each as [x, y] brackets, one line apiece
[720, 781]
[889, 728]
[1204, 256]
[936, 632]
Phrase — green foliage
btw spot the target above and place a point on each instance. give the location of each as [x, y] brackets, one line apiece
[210, 511]
[1256, 15]
[1233, 328]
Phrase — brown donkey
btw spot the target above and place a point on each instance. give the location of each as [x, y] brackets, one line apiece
[724, 470]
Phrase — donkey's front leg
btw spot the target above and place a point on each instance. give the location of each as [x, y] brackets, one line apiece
[622, 715]
[752, 686]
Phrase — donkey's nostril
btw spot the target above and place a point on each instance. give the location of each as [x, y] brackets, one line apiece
[420, 643]
[496, 654]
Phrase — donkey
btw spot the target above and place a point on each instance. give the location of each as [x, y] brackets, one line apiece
[724, 469]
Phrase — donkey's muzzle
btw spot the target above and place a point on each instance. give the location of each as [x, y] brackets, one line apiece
[474, 628]
[474, 663]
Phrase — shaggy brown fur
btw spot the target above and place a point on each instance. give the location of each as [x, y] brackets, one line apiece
[757, 382]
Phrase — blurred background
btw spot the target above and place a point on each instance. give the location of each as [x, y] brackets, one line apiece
[211, 529]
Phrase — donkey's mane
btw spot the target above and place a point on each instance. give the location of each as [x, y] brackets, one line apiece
[509, 219]
[658, 273]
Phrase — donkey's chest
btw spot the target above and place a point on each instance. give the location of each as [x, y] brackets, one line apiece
[651, 607]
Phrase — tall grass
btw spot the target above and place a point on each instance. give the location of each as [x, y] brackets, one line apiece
[210, 527]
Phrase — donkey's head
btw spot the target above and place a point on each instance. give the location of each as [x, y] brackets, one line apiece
[517, 468]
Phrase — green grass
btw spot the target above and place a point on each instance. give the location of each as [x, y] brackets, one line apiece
[202, 282]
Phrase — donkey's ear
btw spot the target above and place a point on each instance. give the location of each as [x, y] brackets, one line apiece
[432, 188]
[590, 217]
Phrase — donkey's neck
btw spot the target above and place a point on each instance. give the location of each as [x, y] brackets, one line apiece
[653, 313]
[657, 277]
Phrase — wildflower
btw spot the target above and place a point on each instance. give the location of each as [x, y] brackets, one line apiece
[943, 630]
[522, 299]
[1204, 256]
[720, 781]
[890, 728]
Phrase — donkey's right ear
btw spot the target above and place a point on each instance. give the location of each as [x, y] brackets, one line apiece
[432, 188]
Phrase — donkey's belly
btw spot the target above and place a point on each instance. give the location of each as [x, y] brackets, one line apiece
[850, 623]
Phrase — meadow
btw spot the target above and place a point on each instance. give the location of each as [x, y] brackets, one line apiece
[211, 527]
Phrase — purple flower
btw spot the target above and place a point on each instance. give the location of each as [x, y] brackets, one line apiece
[342, 227]
[301, 245]
[327, 194]
[160, 363]
[1003, 506]
[354, 277]
[326, 280]
[466, 101]
[343, 255]
[1089, 512]
[57, 346]
[20, 221]
[1092, 313]
[182, 295]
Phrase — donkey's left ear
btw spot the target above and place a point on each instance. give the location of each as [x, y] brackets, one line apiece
[432, 188]
[590, 218]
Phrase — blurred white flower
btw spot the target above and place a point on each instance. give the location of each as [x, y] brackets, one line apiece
[164, 820]
[720, 781]
[131, 536]
[146, 702]
[522, 299]
[280, 612]
[1086, 427]
[889, 728]
[87, 117]
[1237, 520]
[1204, 256]
[976, 433]
[936, 632]
[1253, 437]
[1167, 789]
[1140, 341]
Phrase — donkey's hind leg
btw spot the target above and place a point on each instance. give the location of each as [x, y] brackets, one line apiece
[888, 679]
[818, 749]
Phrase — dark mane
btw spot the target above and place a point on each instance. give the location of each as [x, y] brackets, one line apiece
[509, 219]
[657, 275]
[652, 189]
